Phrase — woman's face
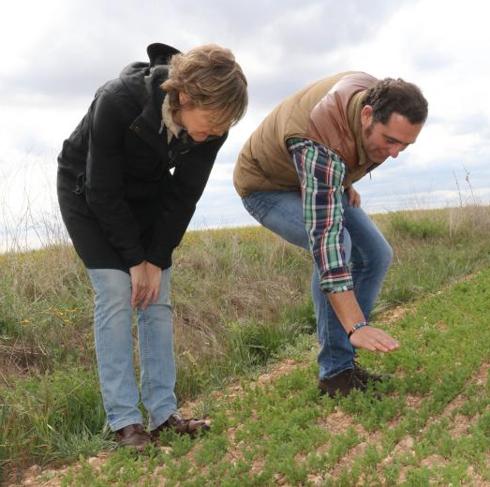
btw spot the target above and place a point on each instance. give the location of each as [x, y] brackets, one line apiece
[197, 121]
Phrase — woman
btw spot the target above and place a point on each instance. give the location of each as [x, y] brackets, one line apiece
[129, 178]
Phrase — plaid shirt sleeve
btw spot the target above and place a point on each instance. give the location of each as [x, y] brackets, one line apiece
[321, 173]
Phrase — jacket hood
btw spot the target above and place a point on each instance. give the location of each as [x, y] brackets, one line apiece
[160, 53]
[142, 79]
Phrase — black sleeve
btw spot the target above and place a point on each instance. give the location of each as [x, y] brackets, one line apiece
[179, 202]
[104, 179]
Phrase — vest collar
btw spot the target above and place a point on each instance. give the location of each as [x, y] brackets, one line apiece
[354, 119]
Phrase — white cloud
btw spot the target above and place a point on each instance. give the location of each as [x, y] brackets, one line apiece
[57, 53]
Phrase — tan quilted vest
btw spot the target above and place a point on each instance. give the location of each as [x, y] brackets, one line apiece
[327, 112]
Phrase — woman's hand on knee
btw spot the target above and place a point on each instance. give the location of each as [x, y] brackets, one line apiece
[154, 276]
[139, 284]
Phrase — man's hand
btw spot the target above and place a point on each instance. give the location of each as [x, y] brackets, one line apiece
[348, 311]
[354, 197]
[373, 339]
[139, 284]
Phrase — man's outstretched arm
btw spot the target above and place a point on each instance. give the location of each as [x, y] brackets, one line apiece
[321, 174]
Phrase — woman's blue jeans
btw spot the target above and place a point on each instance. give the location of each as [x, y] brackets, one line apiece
[114, 348]
[365, 248]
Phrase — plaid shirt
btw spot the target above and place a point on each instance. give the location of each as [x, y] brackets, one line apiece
[321, 173]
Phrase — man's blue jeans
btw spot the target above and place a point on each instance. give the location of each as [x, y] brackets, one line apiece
[365, 247]
[114, 348]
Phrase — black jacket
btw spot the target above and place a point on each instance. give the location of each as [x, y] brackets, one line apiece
[125, 194]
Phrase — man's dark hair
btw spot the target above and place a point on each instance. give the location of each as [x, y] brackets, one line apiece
[395, 95]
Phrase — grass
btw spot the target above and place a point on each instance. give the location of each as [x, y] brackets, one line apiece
[240, 301]
[285, 433]
[433, 248]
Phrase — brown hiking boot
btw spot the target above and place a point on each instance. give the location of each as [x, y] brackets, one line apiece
[367, 377]
[133, 436]
[191, 427]
[341, 384]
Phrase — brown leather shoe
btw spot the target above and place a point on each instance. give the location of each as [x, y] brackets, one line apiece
[341, 384]
[367, 377]
[133, 436]
[191, 427]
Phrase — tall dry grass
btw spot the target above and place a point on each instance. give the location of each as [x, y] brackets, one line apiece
[220, 277]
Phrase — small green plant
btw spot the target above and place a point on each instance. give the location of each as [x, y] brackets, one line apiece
[241, 302]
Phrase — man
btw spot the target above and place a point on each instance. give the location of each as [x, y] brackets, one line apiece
[129, 178]
[295, 173]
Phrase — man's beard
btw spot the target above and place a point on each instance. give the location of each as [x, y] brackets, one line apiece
[368, 131]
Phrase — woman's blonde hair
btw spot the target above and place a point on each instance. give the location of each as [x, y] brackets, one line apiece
[212, 79]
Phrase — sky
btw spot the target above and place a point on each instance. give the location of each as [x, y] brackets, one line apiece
[55, 54]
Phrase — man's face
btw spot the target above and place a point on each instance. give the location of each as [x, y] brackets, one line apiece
[381, 141]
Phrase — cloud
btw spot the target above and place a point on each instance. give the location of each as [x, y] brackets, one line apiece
[58, 53]
[75, 46]
[472, 123]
